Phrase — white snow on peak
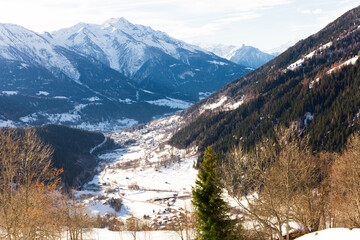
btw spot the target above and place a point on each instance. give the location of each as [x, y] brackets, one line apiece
[221, 50]
[33, 48]
[119, 43]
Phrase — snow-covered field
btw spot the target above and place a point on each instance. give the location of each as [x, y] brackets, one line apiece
[151, 177]
[105, 234]
[333, 234]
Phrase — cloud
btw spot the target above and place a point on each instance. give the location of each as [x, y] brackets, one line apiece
[311, 11]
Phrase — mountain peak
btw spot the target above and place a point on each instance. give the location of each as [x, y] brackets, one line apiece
[115, 22]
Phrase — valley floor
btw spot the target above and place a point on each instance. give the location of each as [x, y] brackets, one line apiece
[152, 179]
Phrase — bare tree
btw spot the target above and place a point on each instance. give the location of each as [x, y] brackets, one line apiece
[345, 179]
[28, 186]
[267, 182]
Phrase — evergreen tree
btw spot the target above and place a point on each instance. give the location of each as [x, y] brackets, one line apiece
[213, 221]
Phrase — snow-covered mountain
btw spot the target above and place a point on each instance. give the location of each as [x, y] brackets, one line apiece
[102, 77]
[120, 44]
[150, 58]
[245, 55]
[21, 44]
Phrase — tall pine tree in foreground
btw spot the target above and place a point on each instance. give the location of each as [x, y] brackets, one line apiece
[213, 221]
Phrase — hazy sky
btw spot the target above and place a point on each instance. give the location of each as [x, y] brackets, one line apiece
[265, 24]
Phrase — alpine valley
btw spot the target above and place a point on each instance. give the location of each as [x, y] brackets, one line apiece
[102, 77]
[110, 76]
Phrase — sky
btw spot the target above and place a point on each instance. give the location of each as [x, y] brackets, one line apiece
[266, 24]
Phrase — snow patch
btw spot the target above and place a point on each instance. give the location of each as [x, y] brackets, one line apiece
[9, 93]
[147, 91]
[42, 93]
[61, 97]
[351, 61]
[107, 126]
[203, 95]
[171, 102]
[7, 123]
[105, 234]
[300, 62]
[187, 73]
[308, 117]
[235, 105]
[93, 99]
[218, 63]
[127, 101]
[215, 105]
[296, 64]
[333, 233]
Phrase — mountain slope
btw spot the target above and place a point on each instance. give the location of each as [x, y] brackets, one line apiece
[150, 58]
[72, 150]
[249, 56]
[244, 55]
[313, 86]
[102, 77]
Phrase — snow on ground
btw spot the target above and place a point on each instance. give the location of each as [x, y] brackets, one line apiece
[223, 104]
[187, 73]
[105, 234]
[151, 177]
[296, 64]
[351, 61]
[218, 63]
[171, 102]
[126, 100]
[107, 126]
[300, 62]
[61, 97]
[6, 123]
[333, 233]
[42, 93]
[214, 105]
[232, 106]
[93, 99]
[203, 95]
[9, 93]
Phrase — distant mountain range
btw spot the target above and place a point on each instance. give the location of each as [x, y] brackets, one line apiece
[244, 55]
[102, 77]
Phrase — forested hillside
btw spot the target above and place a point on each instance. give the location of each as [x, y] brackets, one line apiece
[312, 87]
[71, 150]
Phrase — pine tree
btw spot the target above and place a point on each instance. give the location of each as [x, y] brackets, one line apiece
[213, 221]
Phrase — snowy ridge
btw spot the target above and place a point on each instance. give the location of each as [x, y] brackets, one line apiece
[18, 43]
[119, 43]
[243, 55]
